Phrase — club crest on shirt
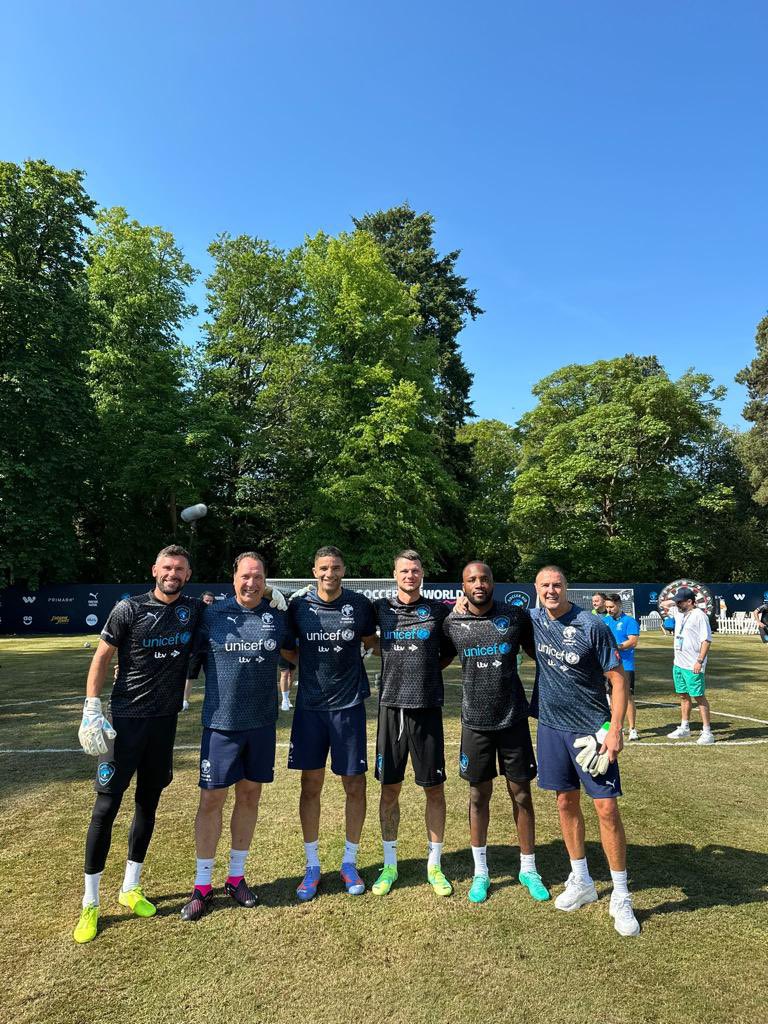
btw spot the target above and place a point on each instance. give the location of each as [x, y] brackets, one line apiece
[347, 611]
[570, 633]
[422, 612]
[182, 614]
[267, 618]
[501, 623]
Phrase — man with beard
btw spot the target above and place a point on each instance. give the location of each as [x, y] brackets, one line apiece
[152, 634]
[488, 636]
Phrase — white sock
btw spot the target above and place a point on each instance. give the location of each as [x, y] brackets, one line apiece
[91, 893]
[435, 853]
[481, 866]
[350, 853]
[312, 853]
[237, 860]
[390, 853]
[684, 723]
[204, 870]
[132, 876]
[706, 728]
[580, 870]
[620, 883]
[528, 862]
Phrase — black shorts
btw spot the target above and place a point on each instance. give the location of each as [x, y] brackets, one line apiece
[144, 748]
[512, 748]
[414, 731]
[284, 665]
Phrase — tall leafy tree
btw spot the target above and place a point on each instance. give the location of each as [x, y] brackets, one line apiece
[137, 375]
[605, 454]
[492, 454]
[251, 427]
[45, 422]
[754, 443]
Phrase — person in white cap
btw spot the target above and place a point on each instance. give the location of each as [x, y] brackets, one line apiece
[693, 638]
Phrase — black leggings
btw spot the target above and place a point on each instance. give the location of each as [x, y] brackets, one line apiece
[100, 830]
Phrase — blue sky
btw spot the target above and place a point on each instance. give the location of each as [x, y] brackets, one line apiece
[601, 166]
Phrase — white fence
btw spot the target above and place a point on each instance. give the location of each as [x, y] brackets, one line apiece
[741, 624]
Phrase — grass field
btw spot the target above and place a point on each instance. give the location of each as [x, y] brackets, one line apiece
[698, 866]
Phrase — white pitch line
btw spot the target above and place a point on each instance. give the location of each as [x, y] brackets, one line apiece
[48, 700]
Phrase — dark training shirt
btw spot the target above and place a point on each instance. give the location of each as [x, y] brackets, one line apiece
[327, 635]
[154, 643]
[412, 644]
[488, 645]
[239, 649]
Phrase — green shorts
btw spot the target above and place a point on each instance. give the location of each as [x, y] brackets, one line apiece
[688, 682]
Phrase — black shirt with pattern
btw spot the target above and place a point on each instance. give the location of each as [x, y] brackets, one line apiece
[154, 643]
[492, 694]
[412, 644]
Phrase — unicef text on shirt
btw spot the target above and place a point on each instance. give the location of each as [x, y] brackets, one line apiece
[406, 634]
[167, 641]
[482, 652]
[339, 634]
[250, 645]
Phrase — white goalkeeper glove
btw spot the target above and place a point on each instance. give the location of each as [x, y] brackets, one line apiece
[589, 759]
[298, 594]
[94, 729]
[277, 600]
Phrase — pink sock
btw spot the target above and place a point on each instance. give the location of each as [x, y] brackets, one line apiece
[234, 880]
[203, 889]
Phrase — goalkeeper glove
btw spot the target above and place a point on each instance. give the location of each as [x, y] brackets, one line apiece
[277, 600]
[94, 728]
[589, 759]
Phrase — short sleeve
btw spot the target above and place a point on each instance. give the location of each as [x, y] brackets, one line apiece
[117, 626]
[291, 627]
[368, 627]
[606, 651]
[633, 627]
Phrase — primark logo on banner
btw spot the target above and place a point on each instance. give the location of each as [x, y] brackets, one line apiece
[29, 598]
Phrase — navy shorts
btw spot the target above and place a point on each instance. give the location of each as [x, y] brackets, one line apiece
[558, 769]
[342, 732]
[229, 755]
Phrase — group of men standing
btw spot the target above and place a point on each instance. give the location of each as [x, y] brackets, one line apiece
[238, 641]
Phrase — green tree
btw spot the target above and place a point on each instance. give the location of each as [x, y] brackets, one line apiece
[492, 455]
[252, 429]
[45, 424]
[137, 375]
[378, 480]
[605, 454]
[754, 443]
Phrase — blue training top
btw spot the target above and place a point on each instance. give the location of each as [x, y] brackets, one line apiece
[623, 627]
[328, 635]
[572, 654]
[239, 648]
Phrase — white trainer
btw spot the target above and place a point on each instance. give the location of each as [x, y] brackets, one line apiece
[185, 706]
[706, 738]
[633, 734]
[681, 732]
[286, 705]
[624, 920]
[576, 894]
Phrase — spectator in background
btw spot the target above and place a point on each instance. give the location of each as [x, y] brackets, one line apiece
[693, 638]
[286, 678]
[598, 603]
[626, 631]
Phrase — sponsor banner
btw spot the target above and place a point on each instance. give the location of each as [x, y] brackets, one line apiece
[83, 607]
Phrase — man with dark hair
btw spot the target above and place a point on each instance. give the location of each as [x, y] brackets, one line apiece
[324, 631]
[760, 615]
[626, 631]
[238, 642]
[598, 603]
[413, 652]
[576, 744]
[488, 636]
[152, 634]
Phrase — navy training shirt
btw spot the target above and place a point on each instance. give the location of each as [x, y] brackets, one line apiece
[239, 648]
[412, 645]
[488, 645]
[573, 653]
[154, 643]
[327, 635]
